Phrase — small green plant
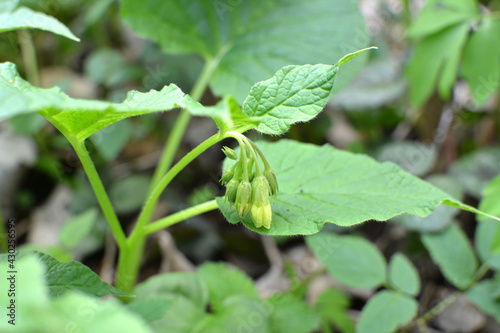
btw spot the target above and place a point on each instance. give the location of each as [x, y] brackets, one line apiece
[279, 188]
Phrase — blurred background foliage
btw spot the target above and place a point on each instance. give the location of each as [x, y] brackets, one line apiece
[427, 100]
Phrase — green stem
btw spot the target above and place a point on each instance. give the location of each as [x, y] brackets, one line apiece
[181, 124]
[29, 57]
[129, 261]
[162, 184]
[179, 217]
[100, 192]
[432, 312]
[244, 141]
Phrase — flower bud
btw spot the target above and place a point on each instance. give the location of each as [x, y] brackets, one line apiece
[231, 190]
[271, 179]
[227, 176]
[229, 153]
[260, 190]
[261, 215]
[243, 198]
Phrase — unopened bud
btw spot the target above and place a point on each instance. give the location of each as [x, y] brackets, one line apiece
[243, 198]
[227, 176]
[260, 190]
[229, 153]
[231, 190]
[261, 215]
[271, 179]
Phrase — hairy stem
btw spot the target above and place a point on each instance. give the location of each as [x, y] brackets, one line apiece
[29, 56]
[181, 125]
[432, 312]
[129, 261]
[179, 217]
[100, 192]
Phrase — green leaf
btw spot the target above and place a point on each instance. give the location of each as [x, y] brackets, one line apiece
[332, 306]
[188, 297]
[413, 157]
[435, 18]
[485, 296]
[29, 278]
[386, 311]
[442, 216]
[172, 286]
[108, 67]
[129, 194]
[28, 124]
[183, 316]
[323, 184]
[288, 314]
[150, 309]
[491, 197]
[450, 249]
[248, 41]
[72, 275]
[237, 314]
[403, 275]
[112, 139]
[87, 314]
[25, 18]
[78, 118]
[224, 282]
[348, 57]
[489, 204]
[475, 170]
[7, 6]
[77, 228]
[481, 61]
[351, 260]
[434, 62]
[485, 233]
[226, 114]
[466, 6]
[36, 312]
[294, 94]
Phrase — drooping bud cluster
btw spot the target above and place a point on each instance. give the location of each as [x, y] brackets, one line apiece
[248, 188]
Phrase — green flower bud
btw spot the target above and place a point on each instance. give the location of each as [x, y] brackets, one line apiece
[243, 198]
[271, 178]
[261, 215]
[261, 208]
[231, 190]
[229, 153]
[227, 176]
[260, 191]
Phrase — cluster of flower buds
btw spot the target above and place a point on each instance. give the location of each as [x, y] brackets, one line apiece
[248, 187]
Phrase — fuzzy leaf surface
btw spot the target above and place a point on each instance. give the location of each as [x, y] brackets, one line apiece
[320, 184]
[80, 118]
[25, 18]
[248, 41]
